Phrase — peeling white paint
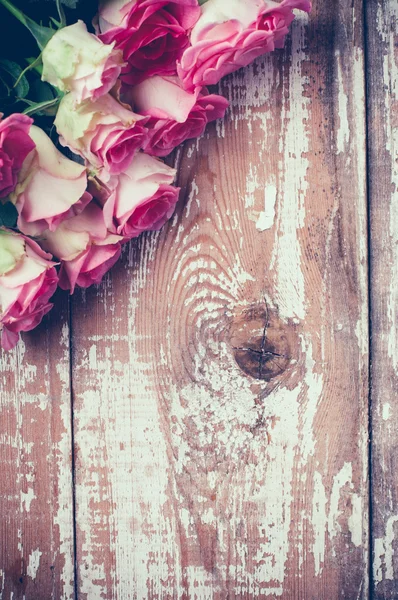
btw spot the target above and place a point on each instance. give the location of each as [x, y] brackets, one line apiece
[343, 132]
[341, 479]
[27, 410]
[193, 195]
[34, 563]
[319, 522]
[384, 553]
[386, 301]
[355, 521]
[386, 411]
[267, 217]
[292, 182]
[26, 499]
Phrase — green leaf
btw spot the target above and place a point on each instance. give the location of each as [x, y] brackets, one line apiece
[18, 79]
[42, 92]
[41, 34]
[8, 215]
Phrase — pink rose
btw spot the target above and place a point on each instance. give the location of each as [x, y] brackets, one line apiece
[151, 33]
[76, 61]
[104, 132]
[86, 249]
[28, 279]
[15, 145]
[231, 34]
[140, 199]
[175, 114]
[49, 184]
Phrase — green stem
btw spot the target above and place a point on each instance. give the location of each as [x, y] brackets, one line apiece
[41, 106]
[32, 65]
[61, 13]
[14, 11]
[41, 34]
[36, 64]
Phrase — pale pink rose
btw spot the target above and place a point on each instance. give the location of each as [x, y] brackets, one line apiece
[49, 184]
[231, 34]
[15, 145]
[28, 279]
[76, 61]
[151, 33]
[140, 199]
[175, 114]
[86, 249]
[103, 132]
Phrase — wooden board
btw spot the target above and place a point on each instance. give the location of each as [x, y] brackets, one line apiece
[220, 372]
[382, 18]
[36, 504]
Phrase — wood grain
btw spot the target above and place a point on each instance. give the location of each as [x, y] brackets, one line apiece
[36, 508]
[220, 371]
[382, 32]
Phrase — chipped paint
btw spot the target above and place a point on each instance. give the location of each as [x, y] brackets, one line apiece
[384, 553]
[34, 563]
[340, 480]
[355, 520]
[294, 145]
[36, 444]
[386, 411]
[319, 522]
[267, 217]
[343, 132]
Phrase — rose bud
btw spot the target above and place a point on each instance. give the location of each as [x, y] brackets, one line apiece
[76, 61]
[175, 114]
[151, 34]
[230, 35]
[28, 279]
[15, 145]
[86, 249]
[141, 198]
[103, 132]
[49, 184]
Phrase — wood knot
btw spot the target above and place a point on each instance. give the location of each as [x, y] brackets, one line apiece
[261, 342]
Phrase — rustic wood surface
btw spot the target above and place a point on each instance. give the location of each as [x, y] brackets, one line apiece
[382, 18]
[36, 498]
[218, 379]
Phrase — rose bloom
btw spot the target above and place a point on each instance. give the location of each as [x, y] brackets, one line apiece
[28, 279]
[76, 61]
[231, 34]
[103, 132]
[140, 199]
[175, 114]
[15, 145]
[49, 184]
[86, 249]
[151, 33]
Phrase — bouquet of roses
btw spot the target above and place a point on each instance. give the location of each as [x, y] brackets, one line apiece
[120, 92]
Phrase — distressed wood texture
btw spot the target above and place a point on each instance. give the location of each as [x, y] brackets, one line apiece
[220, 371]
[382, 32]
[36, 535]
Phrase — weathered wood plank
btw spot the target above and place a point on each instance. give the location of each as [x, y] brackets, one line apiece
[220, 372]
[36, 531]
[382, 40]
